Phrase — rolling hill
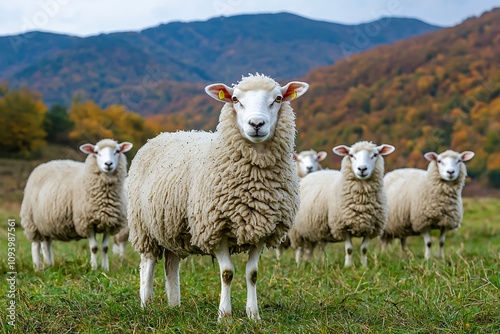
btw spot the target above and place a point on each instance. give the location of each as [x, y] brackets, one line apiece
[128, 67]
[428, 93]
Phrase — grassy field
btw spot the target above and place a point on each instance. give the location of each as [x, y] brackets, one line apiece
[410, 295]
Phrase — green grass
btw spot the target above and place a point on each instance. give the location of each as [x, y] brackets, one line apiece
[410, 295]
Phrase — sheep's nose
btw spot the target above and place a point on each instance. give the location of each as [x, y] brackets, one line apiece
[256, 123]
[362, 168]
[309, 169]
[109, 163]
[451, 172]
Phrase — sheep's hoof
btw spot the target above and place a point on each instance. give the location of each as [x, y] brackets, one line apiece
[223, 316]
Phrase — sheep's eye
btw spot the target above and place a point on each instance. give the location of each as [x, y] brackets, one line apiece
[350, 155]
[278, 99]
[439, 161]
[117, 151]
[375, 155]
[235, 99]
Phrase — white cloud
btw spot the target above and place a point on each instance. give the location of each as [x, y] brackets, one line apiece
[89, 17]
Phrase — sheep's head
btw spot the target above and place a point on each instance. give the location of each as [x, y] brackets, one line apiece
[449, 162]
[363, 156]
[308, 161]
[257, 100]
[107, 152]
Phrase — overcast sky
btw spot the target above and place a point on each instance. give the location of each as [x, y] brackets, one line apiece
[90, 17]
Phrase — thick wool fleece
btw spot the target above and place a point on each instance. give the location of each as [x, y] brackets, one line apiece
[334, 203]
[188, 189]
[419, 199]
[65, 200]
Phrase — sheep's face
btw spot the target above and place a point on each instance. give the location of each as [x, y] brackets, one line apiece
[363, 157]
[106, 155]
[449, 163]
[257, 102]
[308, 161]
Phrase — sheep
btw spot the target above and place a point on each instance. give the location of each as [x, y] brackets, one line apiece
[218, 193]
[69, 200]
[420, 201]
[305, 162]
[339, 205]
[121, 238]
[308, 161]
[120, 241]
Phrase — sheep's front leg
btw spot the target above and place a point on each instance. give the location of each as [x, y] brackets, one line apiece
[105, 247]
[348, 251]
[146, 271]
[226, 274]
[35, 253]
[47, 252]
[441, 243]
[93, 250]
[427, 243]
[364, 252]
[251, 276]
[172, 280]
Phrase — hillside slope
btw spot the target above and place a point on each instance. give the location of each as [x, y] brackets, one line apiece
[221, 49]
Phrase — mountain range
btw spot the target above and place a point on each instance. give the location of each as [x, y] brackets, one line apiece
[129, 67]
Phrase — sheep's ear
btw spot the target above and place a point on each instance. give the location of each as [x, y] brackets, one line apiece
[341, 150]
[467, 155]
[293, 90]
[220, 92]
[87, 148]
[431, 156]
[295, 156]
[321, 156]
[385, 149]
[125, 146]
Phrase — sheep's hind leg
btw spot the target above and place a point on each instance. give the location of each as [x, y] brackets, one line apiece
[105, 247]
[298, 254]
[364, 252]
[172, 280]
[93, 250]
[348, 251]
[251, 276]
[441, 243]
[146, 271]
[35, 253]
[47, 252]
[427, 243]
[226, 274]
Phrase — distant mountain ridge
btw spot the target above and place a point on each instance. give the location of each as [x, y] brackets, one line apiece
[221, 49]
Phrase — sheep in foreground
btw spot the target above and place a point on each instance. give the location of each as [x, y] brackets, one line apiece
[305, 162]
[68, 200]
[339, 205]
[218, 193]
[420, 201]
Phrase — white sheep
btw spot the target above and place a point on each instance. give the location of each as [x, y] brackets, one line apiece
[308, 161]
[420, 201]
[218, 193]
[305, 162]
[121, 238]
[339, 205]
[68, 200]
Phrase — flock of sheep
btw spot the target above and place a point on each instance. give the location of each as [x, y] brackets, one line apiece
[238, 189]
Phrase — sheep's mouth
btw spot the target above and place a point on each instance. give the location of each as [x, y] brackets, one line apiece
[363, 176]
